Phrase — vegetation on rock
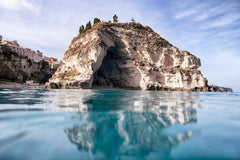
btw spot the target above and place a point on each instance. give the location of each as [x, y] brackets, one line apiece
[88, 26]
[186, 51]
[70, 73]
[162, 43]
[96, 20]
[131, 25]
[68, 79]
[81, 29]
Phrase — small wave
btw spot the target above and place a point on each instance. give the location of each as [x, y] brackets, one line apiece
[20, 109]
[12, 138]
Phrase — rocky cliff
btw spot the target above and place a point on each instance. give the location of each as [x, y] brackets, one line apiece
[18, 68]
[127, 56]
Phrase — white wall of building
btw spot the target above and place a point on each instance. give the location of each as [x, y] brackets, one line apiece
[34, 55]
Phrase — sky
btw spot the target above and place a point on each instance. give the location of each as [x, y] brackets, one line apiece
[209, 29]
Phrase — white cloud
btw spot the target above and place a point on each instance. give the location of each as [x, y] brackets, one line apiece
[187, 9]
[27, 5]
[211, 10]
[10, 4]
[201, 17]
[185, 13]
[224, 20]
[17, 5]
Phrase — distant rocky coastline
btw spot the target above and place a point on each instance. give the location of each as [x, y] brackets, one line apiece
[222, 89]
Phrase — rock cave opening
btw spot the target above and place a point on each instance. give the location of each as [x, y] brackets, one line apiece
[117, 71]
[109, 72]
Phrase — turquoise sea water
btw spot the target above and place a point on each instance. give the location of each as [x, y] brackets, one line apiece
[118, 124]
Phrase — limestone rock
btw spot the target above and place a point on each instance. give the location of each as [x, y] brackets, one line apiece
[126, 56]
[223, 89]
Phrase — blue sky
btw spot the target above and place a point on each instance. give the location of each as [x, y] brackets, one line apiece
[209, 29]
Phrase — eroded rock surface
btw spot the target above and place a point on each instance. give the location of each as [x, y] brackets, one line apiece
[126, 56]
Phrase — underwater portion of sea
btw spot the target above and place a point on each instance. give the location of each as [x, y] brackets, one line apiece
[39, 124]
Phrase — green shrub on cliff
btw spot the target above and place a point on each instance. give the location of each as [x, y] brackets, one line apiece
[88, 26]
[162, 43]
[81, 29]
[186, 51]
[96, 20]
[139, 26]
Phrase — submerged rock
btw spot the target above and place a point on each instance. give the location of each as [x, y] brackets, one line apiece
[126, 56]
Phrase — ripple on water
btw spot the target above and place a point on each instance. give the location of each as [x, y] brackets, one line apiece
[118, 124]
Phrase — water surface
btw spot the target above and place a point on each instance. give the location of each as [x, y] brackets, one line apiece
[118, 124]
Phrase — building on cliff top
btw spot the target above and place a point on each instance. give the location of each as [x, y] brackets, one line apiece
[34, 55]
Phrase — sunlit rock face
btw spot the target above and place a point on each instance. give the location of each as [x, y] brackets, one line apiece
[128, 56]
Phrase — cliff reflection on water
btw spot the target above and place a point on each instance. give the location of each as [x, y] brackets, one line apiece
[118, 124]
[127, 123]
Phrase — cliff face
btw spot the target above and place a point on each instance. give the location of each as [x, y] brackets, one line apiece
[18, 68]
[129, 56]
